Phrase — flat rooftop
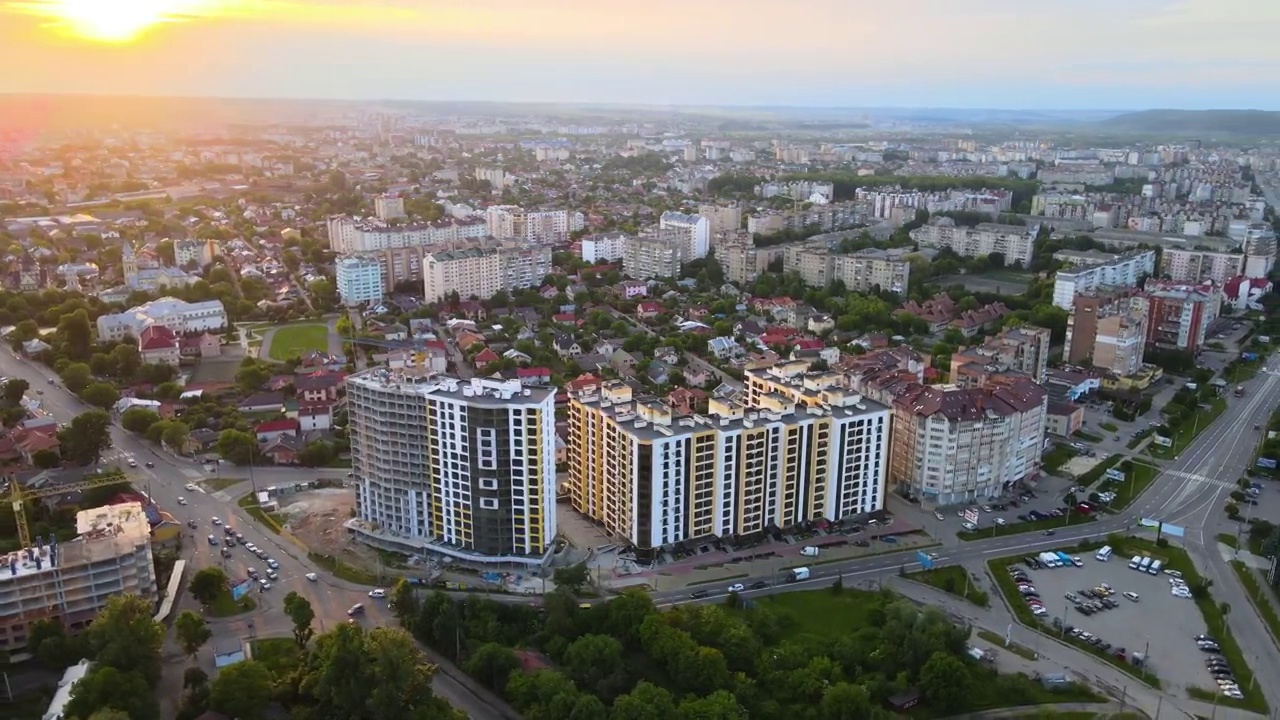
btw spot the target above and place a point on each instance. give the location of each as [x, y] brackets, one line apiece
[104, 532]
[476, 391]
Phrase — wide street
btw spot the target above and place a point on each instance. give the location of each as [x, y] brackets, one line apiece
[329, 596]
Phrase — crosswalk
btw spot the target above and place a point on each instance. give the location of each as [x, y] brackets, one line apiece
[1200, 479]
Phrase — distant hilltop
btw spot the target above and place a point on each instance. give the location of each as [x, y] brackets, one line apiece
[1197, 122]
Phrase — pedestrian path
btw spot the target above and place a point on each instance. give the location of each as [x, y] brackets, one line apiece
[1217, 482]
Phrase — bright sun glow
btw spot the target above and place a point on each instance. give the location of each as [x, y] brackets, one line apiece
[113, 21]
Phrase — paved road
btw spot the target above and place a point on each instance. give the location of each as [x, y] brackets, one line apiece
[168, 481]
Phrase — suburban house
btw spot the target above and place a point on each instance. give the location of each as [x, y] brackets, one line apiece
[567, 347]
[695, 376]
[19, 445]
[262, 402]
[269, 431]
[723, 347]
[159, 345]
[315, 417]
[318, 387]
[283, 450]
[648, 310]
[484, 357]
[534, 375]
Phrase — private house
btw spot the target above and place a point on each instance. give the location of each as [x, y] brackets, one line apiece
[696, 376]
[262, 402]
[316, 417]
[318, 387]
[567, 347]
[158, 345]
[269, 431]
[648, 310]
[534, 375]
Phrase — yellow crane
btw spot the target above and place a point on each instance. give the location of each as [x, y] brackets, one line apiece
[18, 495]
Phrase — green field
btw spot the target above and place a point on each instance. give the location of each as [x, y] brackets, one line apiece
[821, 613]
[298, 340]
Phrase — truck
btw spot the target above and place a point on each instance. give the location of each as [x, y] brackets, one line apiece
[1238, 391]
[798, 574]
[1049, 560]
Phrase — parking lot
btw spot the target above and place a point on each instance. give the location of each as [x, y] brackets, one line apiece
[1162, 624]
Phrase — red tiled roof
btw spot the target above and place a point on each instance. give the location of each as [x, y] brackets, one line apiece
[533, 372]
[486, 356]
[278, 425]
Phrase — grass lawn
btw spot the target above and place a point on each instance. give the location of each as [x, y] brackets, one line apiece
[1083, 435]
[1018, 528]
[348, 572]
[297, 340]
[1092, 475]
[1137, 439]
[1187, 432]
[1140, 478]
[224, 606]
[1057, 457]
[954, 580]
[1108, 427]
[221, 483]
[280, 655]
[822, 613]
[1260, 598]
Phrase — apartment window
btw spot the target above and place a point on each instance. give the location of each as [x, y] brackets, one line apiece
[488, 503]
[488, 483]
[486, 449]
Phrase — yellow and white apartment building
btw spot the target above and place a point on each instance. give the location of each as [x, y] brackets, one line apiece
[655, 478]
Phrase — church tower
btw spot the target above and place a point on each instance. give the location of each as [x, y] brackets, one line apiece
[130, 262]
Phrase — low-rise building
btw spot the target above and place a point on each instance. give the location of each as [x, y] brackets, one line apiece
[178, 315]
[158, 344]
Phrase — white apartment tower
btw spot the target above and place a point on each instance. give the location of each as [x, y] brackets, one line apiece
[604, 247]
[359, 280]
[482, 272]
[463, 469]
[697, 228]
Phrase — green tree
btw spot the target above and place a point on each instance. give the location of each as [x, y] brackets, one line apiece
[404, 603]
[14, 389]
[572, 578]
[945, 682]
[108, 687]
[76, 335]
[207, 584]
[138, 419]
[110, 714]
[646, 701]
[299, 611]
[46, 459]
[76, 376]
[237, 446]
[193, 632]
[124, 636]
[846, 701]
[175, 435]
[100, 394]
[242, 690]
[126, 359]
[85, 438]
[720, 705]
[492, 664]
[592, 658]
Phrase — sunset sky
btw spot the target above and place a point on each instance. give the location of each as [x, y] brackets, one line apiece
[1112, 54]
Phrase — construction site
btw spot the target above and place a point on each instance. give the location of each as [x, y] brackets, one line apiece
[316, 518]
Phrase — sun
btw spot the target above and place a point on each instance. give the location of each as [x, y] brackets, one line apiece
[112, 21]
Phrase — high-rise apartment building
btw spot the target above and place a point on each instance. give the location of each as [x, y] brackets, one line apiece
[1022, 350]
[655, 253]
[1015, 242]
[464, 469]
[1197, 266]
[697, 232]
[1109, 330]
[482, 272]
[741, 260]
[862, 271]
[541, 227]
[1259, 245]
[353, 235]
[654, 477]
[389, 207]
[1178, 316]
[722, 218]
[359, 280]
[1125, 271]
[604, 247]
[70, 582]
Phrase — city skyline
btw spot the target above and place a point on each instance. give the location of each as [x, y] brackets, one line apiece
[1148, 53]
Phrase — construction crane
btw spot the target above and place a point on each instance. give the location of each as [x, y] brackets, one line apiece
[18, 496]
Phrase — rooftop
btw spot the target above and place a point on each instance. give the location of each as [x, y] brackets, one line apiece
[476, 391]
[104, 532]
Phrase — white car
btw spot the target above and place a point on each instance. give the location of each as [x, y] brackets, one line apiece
[216, 521]
[968, 526]
[999, 521]
[182, 500]
[133, 463]
[312, 577]
[273, 564]
[377, 593]
[191, 487]
[737, 587]
[938, 515]
[264, 584]
[1132, 596]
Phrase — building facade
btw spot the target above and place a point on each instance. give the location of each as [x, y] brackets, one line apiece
[70, 582]
[1108, 330]
[1015, 242]
[722, 218]
[1178, 316]
[359, 280]
[656, 478]
[482, 272]
[389, 207]
[464, 469]
[604, 247]
[349, 235]
[696, 228]
[655, 253]
[541, 227]
[862, 271]
[1125, 271]
[1022, 350]
[182, 317]
[1197, 266]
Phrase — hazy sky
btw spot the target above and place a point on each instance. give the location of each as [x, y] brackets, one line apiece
[1112, 54]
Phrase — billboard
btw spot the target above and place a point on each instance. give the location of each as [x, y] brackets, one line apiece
[1114, 474]
[239, 591]
[1268, 463]
[926, 562]
[1162, 440]
[971, 515]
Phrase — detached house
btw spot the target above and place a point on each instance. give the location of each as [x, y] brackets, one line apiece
[269, 431]
[321, 387]
[534, 375]
[159, 345]
[567, 347]
[648, 310]
[315, 417]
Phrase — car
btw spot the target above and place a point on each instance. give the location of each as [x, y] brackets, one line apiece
[1000, 521]
[133, 463]
[191, 487]
[356, 609]
[1077, 562]
[1049, 533]
[312, 577]
[1132, 596]
[1210, 648]
[264, 584]
[968, 526]
[862, 543]
[230, 541]
[377, 593]
[252, 572]
[182, 500]
[213, 539]
[216, 521]
[1203, 638]
[226, 552]
[228, 531]
[39, 392]
[986, 508]
[737, 587]
[759, 585]
[192, 524]
[273, 564]
[250, 547]
[150, 464]
[239, 537]
[273, 575]
[938, 515]
[699, 594]
[262, 554]
[1071, 597]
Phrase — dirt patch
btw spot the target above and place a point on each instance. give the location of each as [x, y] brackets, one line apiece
[316, 517]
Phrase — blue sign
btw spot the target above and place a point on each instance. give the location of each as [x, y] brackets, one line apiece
[239, 591]
[926, 562]
[1268, 463]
